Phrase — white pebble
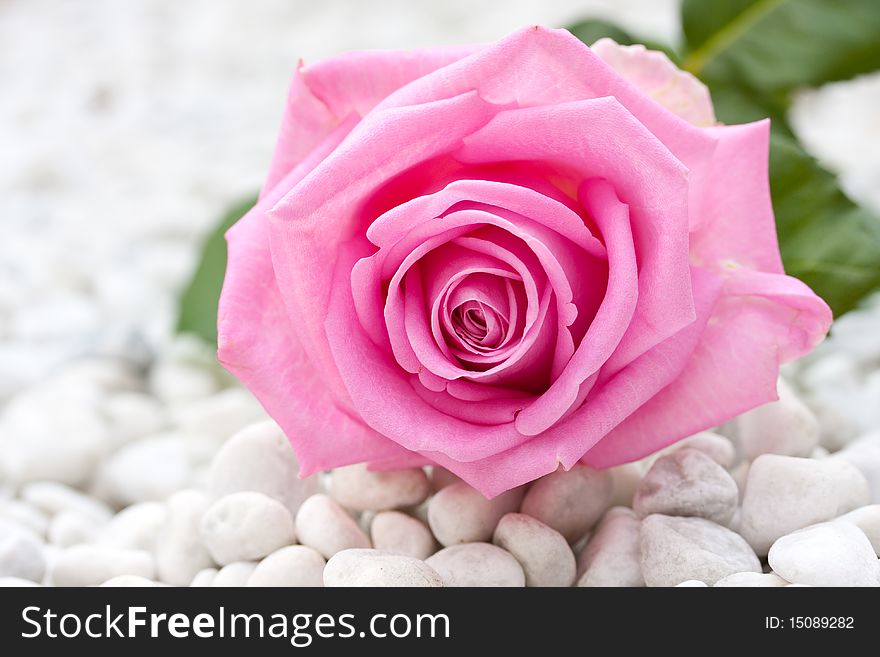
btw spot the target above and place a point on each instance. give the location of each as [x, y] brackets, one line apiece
[64, 445]
[16, 582]
[234, 574]
[827, 554]
[361, 567]
[21, 556]
[72, 528]
[294, 565]
[864, 454]
[359, 489]
[27, 516]
[570, 502]
[543, 553]
[180, 553]
[324, 525]
[204, 578]
[133, 415]
[677, 549]
[687, 482]
[260, 458]
[441, 478]
[128, 581]
[393, 531]
[866, 518]
[784, 493]
[148, 469]
[754, 580]
[477, 564]
[626, 479]
[713, 445]
[222, 414]
[611, 556]
[89, 565]
[181, 382]
[460, 514]
[53, 497]
[786, 426]
[246, 526]
[135, 527]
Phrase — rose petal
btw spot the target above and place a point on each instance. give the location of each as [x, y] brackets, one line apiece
[607, 407]
[654, 74]
[738, 229]
[321, 211]
[733, 369]
[257, 344]
[324, 94]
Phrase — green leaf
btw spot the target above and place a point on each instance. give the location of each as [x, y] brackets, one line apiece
[826, 240]
[197, 312]
[777, 45]
[591, 30]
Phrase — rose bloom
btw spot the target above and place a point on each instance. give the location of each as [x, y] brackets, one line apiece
[508, 258]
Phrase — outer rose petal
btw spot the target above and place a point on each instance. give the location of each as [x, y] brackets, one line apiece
[324, 94]
[652, 72]
[737, 228]
[257, 343]
[762, 320]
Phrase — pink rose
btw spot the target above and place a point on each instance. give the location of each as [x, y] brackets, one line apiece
[505, 258]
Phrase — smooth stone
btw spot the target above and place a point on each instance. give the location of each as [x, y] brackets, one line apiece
[677, 549]
[612, 555]
[180, 553]
[364, 567]
[359, 489]
[785, 493]
[393, 531]
[234, 574]
[17, 582]
[713, 445]
[204, 578]
[570, 502]
[754, 580]
[626, 480]
[786, 426]
[149, 469]
[461, 514]
[441, 478]
[26, 515]
[294, 565]
[90, 565]
[71, 528]
[63, 446]
[134, 415]
[259, 458]
[135, 527]
[325, 526]
[477, 564]
[543, 553]
[222, 414]
[181, 382]
[687, 482]
[53, 497]
[827, 554]
[246, 526]
[864, 454]
[866, 518]
[129, 581]
[692, 583]
[21, 556]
